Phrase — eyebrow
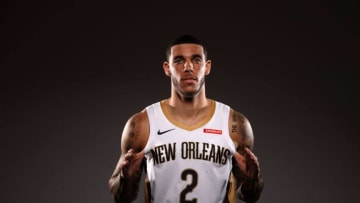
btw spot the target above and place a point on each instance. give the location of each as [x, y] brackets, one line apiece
[181, 56]
[196, 56]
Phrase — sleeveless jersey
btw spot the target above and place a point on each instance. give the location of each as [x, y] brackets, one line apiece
[188, 165]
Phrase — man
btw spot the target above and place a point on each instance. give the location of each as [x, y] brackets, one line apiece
[192, 148]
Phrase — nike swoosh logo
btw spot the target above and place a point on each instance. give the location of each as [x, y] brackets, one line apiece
[162, 132]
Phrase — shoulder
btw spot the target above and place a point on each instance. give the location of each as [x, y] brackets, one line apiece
[136, 131]
[240, 130]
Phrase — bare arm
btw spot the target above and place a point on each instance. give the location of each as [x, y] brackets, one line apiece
[246, 168]
[125, 180]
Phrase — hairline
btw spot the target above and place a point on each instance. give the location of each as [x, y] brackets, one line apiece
[168, 50]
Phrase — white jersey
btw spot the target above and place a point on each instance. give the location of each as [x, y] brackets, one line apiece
[188, 165]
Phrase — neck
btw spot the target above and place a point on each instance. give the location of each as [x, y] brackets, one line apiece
[188, 106]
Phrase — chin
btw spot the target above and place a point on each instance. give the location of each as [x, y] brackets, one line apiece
[190, 94]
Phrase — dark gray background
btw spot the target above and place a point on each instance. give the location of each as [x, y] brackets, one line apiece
[72, 72]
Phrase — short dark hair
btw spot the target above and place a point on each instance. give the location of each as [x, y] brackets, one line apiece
[184, 39]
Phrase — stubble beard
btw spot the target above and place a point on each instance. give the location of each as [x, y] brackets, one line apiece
[187, 95]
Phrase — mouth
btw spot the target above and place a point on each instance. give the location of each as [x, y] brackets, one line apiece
[189, 79]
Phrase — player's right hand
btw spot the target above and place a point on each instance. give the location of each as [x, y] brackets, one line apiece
[131, 163]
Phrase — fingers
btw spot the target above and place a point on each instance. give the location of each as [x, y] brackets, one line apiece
[250, 155]
[252, 164]
[239, 157]
[140, 155]
[128, 157]
[248, 163]
[131, 162]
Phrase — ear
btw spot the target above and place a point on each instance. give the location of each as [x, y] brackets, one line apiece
[166, 68]
[207, 67]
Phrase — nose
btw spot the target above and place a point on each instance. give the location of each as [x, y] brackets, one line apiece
[188, 66]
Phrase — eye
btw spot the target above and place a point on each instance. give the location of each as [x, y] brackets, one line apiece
[197, 60]
[178, 60]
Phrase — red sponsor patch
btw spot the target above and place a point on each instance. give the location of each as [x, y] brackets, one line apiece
[212, 131]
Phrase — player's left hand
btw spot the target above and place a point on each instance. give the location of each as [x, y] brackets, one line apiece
[248, 163]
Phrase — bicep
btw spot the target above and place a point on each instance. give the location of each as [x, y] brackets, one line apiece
[240, 131]
[135, 133]
[242, 135]
[134, 136]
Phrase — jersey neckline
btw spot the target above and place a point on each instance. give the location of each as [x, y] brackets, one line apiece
[186, 127]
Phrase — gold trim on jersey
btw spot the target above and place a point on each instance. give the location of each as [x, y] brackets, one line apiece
[232, 189]
[186, 127]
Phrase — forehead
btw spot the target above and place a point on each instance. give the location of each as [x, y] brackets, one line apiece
[187, 50]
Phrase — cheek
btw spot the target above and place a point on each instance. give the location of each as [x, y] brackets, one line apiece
[202, 72]
[173, 72]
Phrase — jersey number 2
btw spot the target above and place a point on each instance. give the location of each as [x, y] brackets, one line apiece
[189, 187]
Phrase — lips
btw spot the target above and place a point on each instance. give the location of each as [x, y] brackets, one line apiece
[189, 78]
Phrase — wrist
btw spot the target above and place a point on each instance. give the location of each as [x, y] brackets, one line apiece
[248, 185]
[250, 179]
[250, 189]
[122, 178]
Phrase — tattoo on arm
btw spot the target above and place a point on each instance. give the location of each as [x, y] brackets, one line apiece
[241, 130]
[234, 126]
[135, 130]
[132, 126]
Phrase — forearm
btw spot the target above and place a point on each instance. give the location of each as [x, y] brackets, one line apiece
[250, 190]
[124, 190]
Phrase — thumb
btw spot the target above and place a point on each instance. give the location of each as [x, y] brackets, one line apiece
[138, 157]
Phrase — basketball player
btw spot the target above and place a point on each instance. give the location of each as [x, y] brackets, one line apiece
[192, 148]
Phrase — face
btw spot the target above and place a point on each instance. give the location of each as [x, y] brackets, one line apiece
[187, 68]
